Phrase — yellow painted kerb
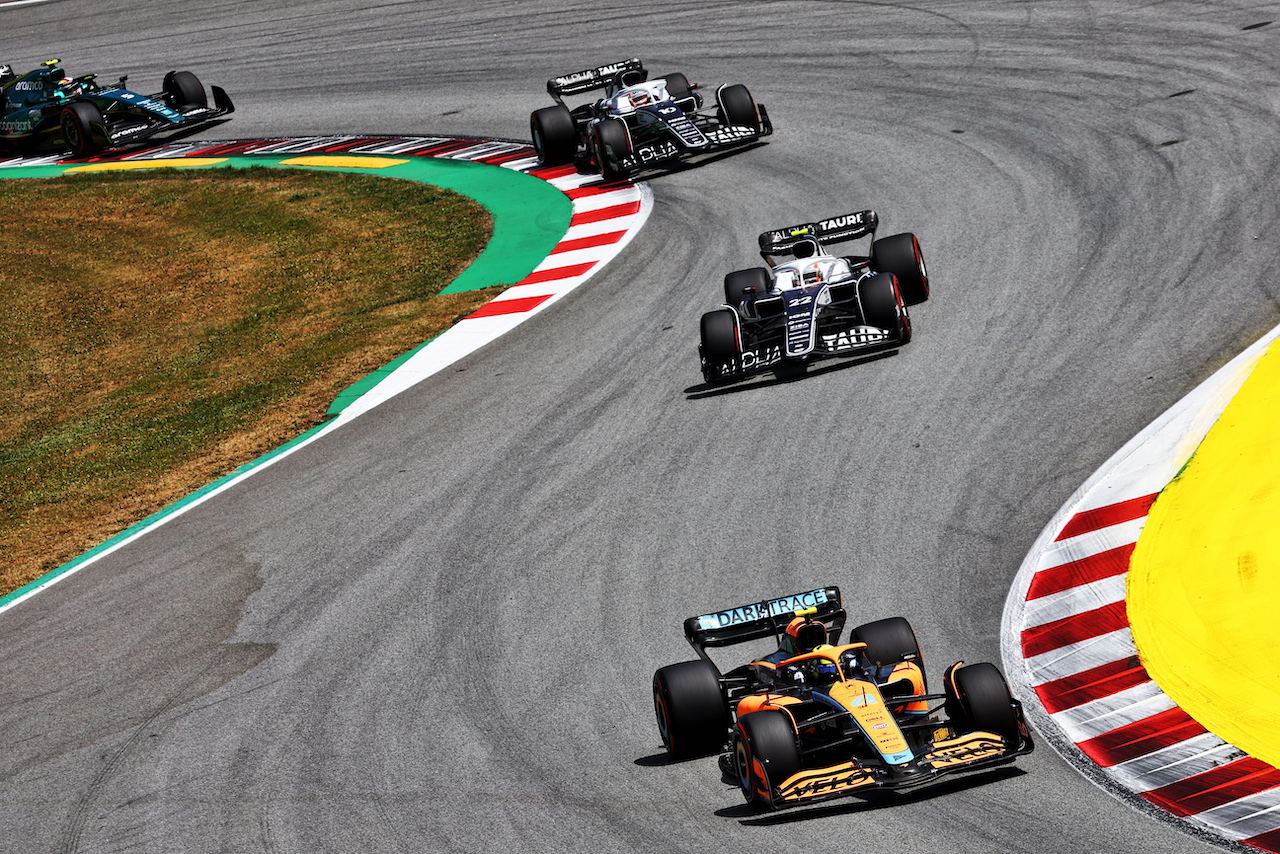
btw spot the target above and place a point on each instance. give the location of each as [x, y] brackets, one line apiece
[1204, 581]
[331, 160]
[343, 161]
[171, 162]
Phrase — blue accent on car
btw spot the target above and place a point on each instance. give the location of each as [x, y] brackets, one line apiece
[801, 310]
[141, 102]
[892, 758]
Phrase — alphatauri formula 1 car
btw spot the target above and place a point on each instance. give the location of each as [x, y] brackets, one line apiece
[810, 304]
[640, 122]
[43, 110]
[808, 723]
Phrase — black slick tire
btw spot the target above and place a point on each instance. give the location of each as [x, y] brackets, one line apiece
[737, 107]
[882, 306]
[889, 641]
[677, 86]
[901, 255]
[737, 284]
[719, 331]
[612, 145]
[184, 90]
[983, 697]
[765, 753]
[84, 132]
[693, 714]
[554, 138]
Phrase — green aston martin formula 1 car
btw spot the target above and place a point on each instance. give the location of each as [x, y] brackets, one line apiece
[43, 110]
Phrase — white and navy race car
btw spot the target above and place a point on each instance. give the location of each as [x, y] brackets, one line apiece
[640, 122]
[810, 304]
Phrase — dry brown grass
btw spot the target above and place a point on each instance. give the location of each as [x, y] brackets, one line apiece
[157, 333]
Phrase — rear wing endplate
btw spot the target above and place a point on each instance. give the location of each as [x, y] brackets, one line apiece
[768, 618]
[834, 230]
[591, 78]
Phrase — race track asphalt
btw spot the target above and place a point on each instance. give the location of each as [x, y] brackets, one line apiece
[435, 628]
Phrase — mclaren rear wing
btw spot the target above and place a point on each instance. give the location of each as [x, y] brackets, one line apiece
[834, 230]
[591, 78]
[768, 618]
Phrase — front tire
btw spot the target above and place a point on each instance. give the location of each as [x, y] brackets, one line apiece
[184, 90]
[84, 131]
[555, 140]
[613, 145]
[693, 715]
[737, 107]
[985, 700]
[765, 753]
[901, 255]
[720, 336]
[882, 306]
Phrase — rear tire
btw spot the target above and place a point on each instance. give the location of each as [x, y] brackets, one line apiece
[184, 90]
[880, 300]
[693, 714]
[737, 107]
[555, 140]
[765, 754]
[737, 282]
[612, 144]
[889, 641]
[901, 255]
[677, 86]
[985, 701]
[84, 131]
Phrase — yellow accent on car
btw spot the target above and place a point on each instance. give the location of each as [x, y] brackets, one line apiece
[964, 750]
[821, 781]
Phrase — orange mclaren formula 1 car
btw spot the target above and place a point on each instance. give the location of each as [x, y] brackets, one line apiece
[817, 719]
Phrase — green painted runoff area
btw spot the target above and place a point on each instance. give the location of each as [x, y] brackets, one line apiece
[529, 218]
[529, 215]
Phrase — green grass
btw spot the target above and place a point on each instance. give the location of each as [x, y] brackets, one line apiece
[158, 332]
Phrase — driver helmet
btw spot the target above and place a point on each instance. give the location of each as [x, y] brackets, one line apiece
[6, 72]
[804, 634]
[826, 672]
